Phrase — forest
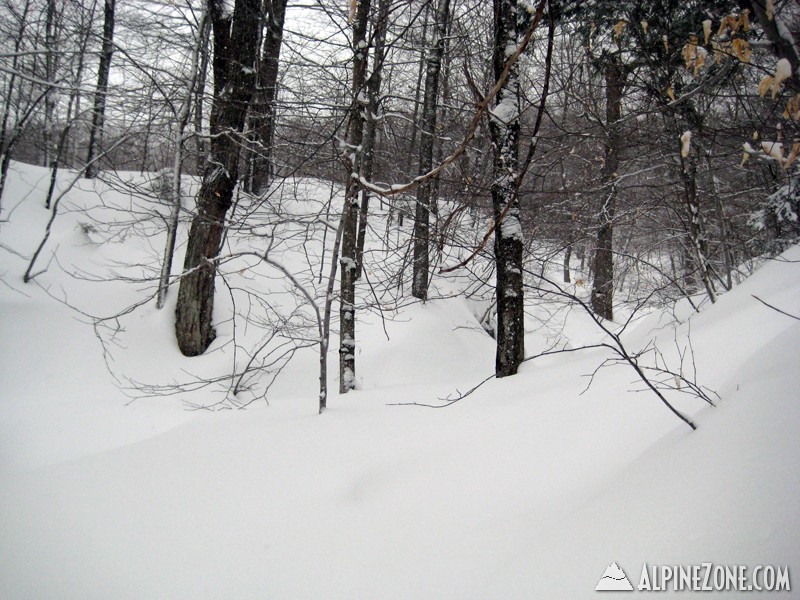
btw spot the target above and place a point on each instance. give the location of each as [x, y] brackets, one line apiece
[572, 223]
[620, 134]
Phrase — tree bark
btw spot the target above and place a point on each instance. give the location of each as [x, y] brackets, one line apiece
[508, 239]
[420, 281]
[182, 120]
[235, 52]
[103, 70]
[262, 160]
[783, 43]
[371, 126]
[51, 67]
[603, 287]
[352, 159]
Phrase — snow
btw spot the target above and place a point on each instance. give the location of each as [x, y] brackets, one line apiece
[506, 111]
[511, 228]
[525, 488]
[783, 70]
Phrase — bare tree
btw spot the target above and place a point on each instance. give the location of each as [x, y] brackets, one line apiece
[508, 238]
[352, 160]
[426, 147]
[603, 286]
[235, 53]
[103, 70]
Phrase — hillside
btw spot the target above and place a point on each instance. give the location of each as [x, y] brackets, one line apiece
[112, 486]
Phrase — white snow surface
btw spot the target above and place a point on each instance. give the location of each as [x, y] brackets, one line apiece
[525, 489]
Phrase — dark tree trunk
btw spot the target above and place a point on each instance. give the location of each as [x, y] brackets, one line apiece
[199, 95]
[508, 239]
[103, 70]
[603, 287]
[698, 245]
[263, 135]
[783, 42]
[419, 287]
[371, 126]
[567, 257]
[235, 53]
[355, 137]
[51, 58]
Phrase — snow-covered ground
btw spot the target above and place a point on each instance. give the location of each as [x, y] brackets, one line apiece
[526, 488]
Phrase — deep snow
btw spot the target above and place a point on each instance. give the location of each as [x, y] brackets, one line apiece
[525, 489]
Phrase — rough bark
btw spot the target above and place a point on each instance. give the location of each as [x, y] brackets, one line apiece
[355, 137]
[51, 67]
[174, 194]
[371, 126]
[783, 43]
[508, 239]
[420, 280]
[103, 70]
[235, 51]
[263, 133]
[698, 244]
[603, 287]
[6, 140]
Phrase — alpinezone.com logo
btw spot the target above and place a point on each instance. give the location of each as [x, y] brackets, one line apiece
[703, 577]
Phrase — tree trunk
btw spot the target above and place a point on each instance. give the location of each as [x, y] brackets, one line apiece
[698, 245]
[262, 160]
[182, 120]
[371, 126]
[420, 280]
[199, 95]
[235, 53]
[6, 144]
[51, 67]
[783, 43]
[99, 111]
[508, 239]
[603, 287]
[355, 137]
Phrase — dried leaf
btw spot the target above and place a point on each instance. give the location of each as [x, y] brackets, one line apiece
[671, 93]
[719, 54]
[644, 25]
[765, 84]
[353, 4]
[686, 143]
[618, 28]
[707, 30]
[770, 8]
[789, 111]
[723, 25]
[755, 135]
[744, 20]
[773, 150]
[666, 43]
[742, 50]
[689, 52]
[701, 59]
[745, 157]
[792, 155]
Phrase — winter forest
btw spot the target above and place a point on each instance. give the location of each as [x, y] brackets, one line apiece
[396, 298]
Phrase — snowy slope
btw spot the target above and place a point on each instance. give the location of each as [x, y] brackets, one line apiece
[526, 488]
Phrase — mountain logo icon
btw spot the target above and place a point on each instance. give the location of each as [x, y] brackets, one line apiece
[614, 580]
